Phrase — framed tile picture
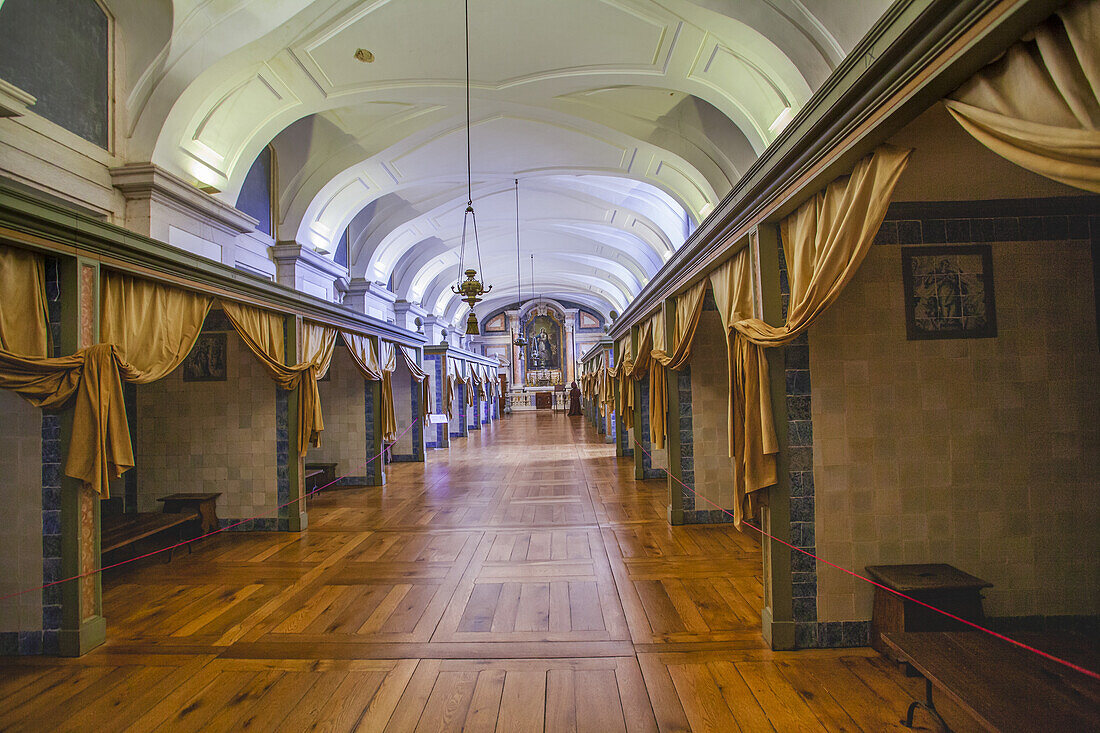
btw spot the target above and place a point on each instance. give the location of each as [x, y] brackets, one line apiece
[206, 362]
[949, 292]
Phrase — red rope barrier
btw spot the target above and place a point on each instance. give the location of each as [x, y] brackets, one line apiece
[854, 574]
[196, 539]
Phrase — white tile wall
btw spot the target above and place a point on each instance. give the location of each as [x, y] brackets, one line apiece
[982, 453]
[21, 532]
[343, 407]
[402, 402]
[210, 437]
[710, 413]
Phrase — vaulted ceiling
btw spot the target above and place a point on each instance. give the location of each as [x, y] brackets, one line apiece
[625, 121]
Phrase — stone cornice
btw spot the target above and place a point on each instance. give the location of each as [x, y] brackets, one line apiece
[30, 222]
[13, 100]
[138, 181]
[284, 252]
[919, 51]
[601, 346]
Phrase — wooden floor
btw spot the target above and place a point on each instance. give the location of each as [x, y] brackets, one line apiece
[520, 581]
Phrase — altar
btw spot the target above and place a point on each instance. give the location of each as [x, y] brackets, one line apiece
[537, 398]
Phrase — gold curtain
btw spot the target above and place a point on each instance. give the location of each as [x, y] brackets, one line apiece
[317, 345]
[388, 359]
[262, 332]
[362, 353]
[751, 426]
[153, 325]
[1037, 104]
[686, 319]
[409, 355]
[826, 239]
[824, 242]
[24, 321]
[626, 391]
[99, 447]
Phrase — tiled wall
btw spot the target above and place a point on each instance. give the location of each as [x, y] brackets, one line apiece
[405, 392]
[472, 411]
[213, 437]
[436, 435]
[343, 441]
[982, 453]
[710, 414]
[458, 412]
[654, 461]
[21, 534]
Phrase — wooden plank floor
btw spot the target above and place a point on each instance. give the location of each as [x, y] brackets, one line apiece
[521, 581]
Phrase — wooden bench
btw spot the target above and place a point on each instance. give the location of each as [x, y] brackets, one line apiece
[319, 474]
[120, 530]
[205, 505]
[939, 585]
[1004, 687]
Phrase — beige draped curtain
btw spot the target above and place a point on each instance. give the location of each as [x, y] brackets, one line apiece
[824, 243]
[1037, 104]
[99, 447]
[24, 321]
[751, 427]
[362, 353]
[421, 376]
[688, 308]
[262, 331]
[388, 358]
[153, 325]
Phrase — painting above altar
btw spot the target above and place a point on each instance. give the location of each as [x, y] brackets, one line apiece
[544, 336]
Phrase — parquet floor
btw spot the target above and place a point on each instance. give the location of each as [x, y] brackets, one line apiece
[522, 581]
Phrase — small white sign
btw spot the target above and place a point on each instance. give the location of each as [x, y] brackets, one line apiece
[437, 419]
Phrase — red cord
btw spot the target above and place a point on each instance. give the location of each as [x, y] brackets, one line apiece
[196, 539]
[854, 574]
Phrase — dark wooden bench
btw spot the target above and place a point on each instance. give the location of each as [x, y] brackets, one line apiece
[120, 530]
[1004, 687]
[319, 474]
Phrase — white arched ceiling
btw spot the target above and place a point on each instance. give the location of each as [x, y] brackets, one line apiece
[627, 121]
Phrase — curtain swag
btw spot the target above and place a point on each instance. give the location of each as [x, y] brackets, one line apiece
[24, 321]
[1037, 104]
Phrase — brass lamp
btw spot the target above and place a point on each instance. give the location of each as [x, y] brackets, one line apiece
[471, 288]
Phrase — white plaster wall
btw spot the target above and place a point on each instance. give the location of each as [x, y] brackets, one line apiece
[210, 437]
[21, 532]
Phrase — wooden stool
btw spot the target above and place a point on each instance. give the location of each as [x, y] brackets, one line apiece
[205, 505]
[938, 584]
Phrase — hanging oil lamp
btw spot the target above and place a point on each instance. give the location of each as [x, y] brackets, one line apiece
[471, 288]
[518, 339]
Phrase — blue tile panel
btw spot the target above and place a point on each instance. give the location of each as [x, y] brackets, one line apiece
[796, 357]
[972, 222]
[460, 397]
[434, 367]
[641, 418]
[687, 449]
[45, 640]
[371, 440]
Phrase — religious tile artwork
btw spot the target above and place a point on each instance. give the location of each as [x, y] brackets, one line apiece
[949, 292]
[496, 324]
[543, 343]
[206, 362]
[587, 320]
